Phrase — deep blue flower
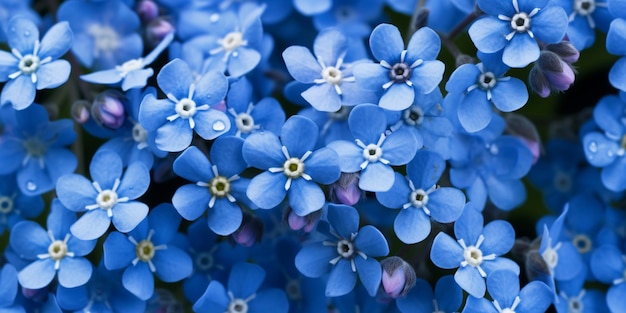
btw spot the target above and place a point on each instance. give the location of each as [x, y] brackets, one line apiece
[478, 87]
[573, 296]
[35, 148]
[146, 250]
[131, 73]
[584, 17]
[32, 64]
[614, 43]
[187, 109]
[105, 32]
[609, 265]
[293, 167]
[217, 186]
[110, 197]
[333, 84]
[446, 298]
[243, 293]
[515, 26]
[52, 253]
[401, 72]
[374, 151]
[103, 293]
[346, 253]
[606, 148]
[8, 290]
[16, 8]
[351, 16]
[419, 198]
[503, 286]
[16, 206]
[477, 251]
[248, 117]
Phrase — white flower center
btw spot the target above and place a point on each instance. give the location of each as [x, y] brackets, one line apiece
[293, 290]
[473, 256]
[520, 22]
[186, 108]
[332, 75]
[219, 186]
[372, 153]
[57, 249]
[584, 7]
[145, 250]
[140, 135]
[237, 306]
[487, 81]
[6, 204]
[106, 40]
[129, 66]
[293, 167]
[414, 116]
[345, 248]
[29, 64]
[106, 199]
[419, 198]
[232, 41]
[551, 257]
[245, 122]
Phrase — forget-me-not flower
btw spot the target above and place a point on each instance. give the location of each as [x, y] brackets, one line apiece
[516, 26]
[187, 108]
[33, 64]
[401, 72]
[346, 253]
[110, 197]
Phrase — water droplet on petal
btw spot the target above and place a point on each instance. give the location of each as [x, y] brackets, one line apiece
[26, 33]
[219, 126]
[609, 153]
[235, 54]
[214, 17]
[494, 149]
[31, 186]
[593, 147]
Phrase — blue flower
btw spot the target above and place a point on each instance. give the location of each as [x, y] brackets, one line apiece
[16, 206]
[419, 198]
[103, 293]
[54, 252]
[35, 148]
[401, 73]
[609, 265]
[346, 253]
[515, 26]
[572, 294]
[447, 297]
[476, 252]
[243, 293]
[584, 17]
[109, 198]
[479, 87]
[351, 16]
[105, 32]
[32, 64]
[374, 151]
[332, 82]
[606, 149]
[503, 286]
[292, 167]
[131, 73]
[8, 289]
[248, 117]
[187, 107]
[146, 250]
[216, 186]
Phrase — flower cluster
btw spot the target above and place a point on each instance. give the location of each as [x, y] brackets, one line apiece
[312, 156]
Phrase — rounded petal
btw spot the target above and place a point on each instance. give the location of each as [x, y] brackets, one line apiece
[245, 279]
[427, 76]
[305, 196]
[92, 225]
[214, 300]
[509, 95]
[175, 78]
[302, 65]
[397, 97]
[550, 24]
[412, 225]
[269, 300]
[127, 215]
[38, 274]
[299, 135]
[424, 44]
[313, 259]
[139, 281]
[446, 204]
[446, 252]
[191, 201]
[323, 166]
[425, 169]
[225, 217]
[263, 150]
[503, 286]
[499, 237]
[22, 34]
[341, 279]
[386, 43]
[541, 297]
[343, 219]
[137, 79]
[267, 189]
[74, 272]
[520, 51]
[172, 264]
[470, 280]
[376, 177]
[370, 274]
[28, 239]
[119, 252]
[174, 136]
[106, 77]
[474, 111]
[105, 168]
[371, 241]
[53, 74]
[19, 92]
[211, 88]
[488, 34]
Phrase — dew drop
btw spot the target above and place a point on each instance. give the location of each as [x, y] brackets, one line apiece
[609, 153]
[31, 186]
[494, 149]
[593, 147]
[214, 17]
[235, 54]
[219, 126]
[26, 33]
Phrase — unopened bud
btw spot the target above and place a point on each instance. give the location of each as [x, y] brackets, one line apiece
[249, 232]
[80, 111]
[147, 10]
[551, 73]
[565, 50]
[108, 109]
[36, 295]
[346, 190]
[157, 29]
[522, 128]
[398, 277]
[305, 223]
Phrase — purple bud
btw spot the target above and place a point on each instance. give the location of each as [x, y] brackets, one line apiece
[398, 277]
[163, 301]
[249, 232]
[538, 82]
[108, 109]
[563, 80]
[36, 295]
[305, 223]
[522, 128]
[147, 10]
[157, 29]
[565, 50]
[80, 111]
[346, 190]
[551, 73]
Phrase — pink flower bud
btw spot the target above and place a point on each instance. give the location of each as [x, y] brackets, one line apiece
[80, 111]
[398, 277]
[249, 232]
[305, 223]
[346, 189]
[108, 109]
[147, 10]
